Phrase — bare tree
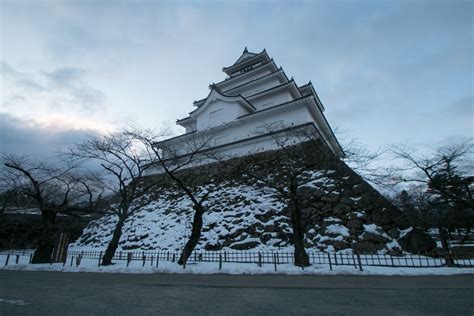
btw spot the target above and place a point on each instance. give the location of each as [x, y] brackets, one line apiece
[173, 161]
[369, 164]
[123, 164]
[294, 174]
[446, 175]
[53, 190]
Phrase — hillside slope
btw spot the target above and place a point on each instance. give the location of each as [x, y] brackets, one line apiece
[343, 211]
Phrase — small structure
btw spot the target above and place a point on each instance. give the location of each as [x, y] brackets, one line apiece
[242, 113]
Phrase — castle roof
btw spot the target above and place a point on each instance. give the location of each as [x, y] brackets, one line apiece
[246, 59]
[309, 89]
[289, 83]
[273, 74]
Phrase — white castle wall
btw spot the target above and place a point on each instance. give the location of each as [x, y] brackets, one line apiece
[273, 99]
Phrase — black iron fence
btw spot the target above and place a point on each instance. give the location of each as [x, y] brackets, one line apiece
[358, 261]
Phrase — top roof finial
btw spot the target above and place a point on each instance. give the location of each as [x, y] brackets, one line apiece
[246, 50]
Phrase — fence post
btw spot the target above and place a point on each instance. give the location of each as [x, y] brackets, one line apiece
[129, 258]
[360, 262]
[391, 259]
[220, 262]
[100, 258]
[259, 259]
[448, 260]
[72, 258]
[354, 261]
[151, 264]
[174, 257]
[157, 259]
[330, 264]
[31, 257]
[8, 258]
[275, 261]
[143, 258]
[335, 259]
[17, 259]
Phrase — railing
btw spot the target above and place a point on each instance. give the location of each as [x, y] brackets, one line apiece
[358, 261]
[427, 260]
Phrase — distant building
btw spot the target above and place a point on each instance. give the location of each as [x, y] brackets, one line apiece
[242, 113]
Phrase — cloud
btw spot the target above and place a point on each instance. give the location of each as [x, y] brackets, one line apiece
[384, 70]
[27, 137]
[72, 80]
[31, 85]
[7, 70]
[67, 86]
[65, 76]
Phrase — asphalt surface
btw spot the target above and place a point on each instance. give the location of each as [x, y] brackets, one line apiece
[55, 293]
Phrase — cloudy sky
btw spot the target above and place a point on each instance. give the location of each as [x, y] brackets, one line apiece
[388, 72]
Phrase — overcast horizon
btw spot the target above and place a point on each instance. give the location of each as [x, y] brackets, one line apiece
[388, 72]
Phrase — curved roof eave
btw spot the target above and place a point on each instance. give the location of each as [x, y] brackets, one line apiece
[328, 127]
[236, 63]
[214, 89]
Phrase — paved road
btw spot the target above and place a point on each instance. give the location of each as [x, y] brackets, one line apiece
[53, 293]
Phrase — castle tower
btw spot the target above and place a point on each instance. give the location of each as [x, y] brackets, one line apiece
[255, 101]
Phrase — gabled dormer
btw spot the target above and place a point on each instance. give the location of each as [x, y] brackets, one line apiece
[217, 109]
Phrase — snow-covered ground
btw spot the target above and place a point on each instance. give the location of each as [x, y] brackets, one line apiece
[91, 265]
[240, 217]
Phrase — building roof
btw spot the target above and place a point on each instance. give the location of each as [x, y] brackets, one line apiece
[245, 55]
[309, 87]
[246, 59]
[280, 70]
[275, 88]
[267, 63]
[215, 90]
[289, 103]
[199, 102]
[304, 125]
[255, 95]
[276, 106]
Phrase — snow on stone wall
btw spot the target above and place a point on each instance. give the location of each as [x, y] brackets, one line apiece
[345, 214]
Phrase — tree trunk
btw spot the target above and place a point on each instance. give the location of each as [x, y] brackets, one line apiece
[300, 255]
[46, 244]
[113, 244]
[466, 236]
[443, 236]
[195, 235]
